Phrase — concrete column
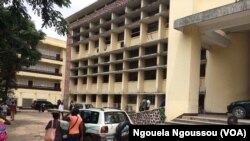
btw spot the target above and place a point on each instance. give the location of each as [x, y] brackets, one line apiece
[88, 99]
[124, 101]
[99, 101]
[158, 99]
[184, 66]
[138, 101]
[143, 32]
[229, 68]
[183, 63]
[110, 100]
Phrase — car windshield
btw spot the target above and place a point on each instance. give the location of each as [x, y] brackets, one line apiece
[115, 117]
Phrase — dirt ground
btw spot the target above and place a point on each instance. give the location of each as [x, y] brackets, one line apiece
[28, 126]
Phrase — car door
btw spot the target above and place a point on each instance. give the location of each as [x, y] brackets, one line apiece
[91, 120]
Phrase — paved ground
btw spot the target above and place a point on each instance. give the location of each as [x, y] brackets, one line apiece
[28, 126]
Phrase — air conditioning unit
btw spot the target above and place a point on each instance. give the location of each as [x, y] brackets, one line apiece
[122, 44]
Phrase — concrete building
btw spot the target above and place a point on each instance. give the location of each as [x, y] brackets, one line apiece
[194, 53]
[45, 80]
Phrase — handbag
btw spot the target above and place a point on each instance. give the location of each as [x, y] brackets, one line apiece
[50, 133]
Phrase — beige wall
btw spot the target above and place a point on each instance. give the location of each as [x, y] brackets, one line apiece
[228, 77]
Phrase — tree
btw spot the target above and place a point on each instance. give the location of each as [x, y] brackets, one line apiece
[19, 37]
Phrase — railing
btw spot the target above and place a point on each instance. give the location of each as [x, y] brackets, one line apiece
[52, 88]
[52, 57]
[41, 71]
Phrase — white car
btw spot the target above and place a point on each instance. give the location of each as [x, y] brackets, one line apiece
[83, 106]
[101, 123]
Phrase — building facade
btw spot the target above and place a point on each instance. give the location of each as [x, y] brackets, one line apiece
[45, 80]
[193, 53]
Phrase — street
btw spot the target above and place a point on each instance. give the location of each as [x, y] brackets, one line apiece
[28, 126]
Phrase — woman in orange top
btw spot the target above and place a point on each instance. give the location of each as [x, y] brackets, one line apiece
[75, 126]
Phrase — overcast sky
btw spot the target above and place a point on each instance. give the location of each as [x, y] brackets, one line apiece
[76, 5]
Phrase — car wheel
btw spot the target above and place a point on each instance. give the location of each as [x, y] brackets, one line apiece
[239, 112]
[88, 138]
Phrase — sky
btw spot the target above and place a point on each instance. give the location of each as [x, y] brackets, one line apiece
[76, 5]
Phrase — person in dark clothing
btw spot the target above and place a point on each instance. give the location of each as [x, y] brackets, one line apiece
[56, 124]
[232, 120]
[162, 103]
[58, 103]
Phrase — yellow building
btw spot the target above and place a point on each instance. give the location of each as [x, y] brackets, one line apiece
[123, 50]
[45, 80]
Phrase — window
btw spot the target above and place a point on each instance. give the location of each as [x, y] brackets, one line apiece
[165, 60]
[132, 99]
[150, 62]
[152, 27]
[135, 32]
[119, 56]
[77, 48]
[152, 99]
[30, 83]
[106, 68]
[84, 80]
[56, 71]
[58, 57]
[134, 53]
[95, 61]
[87, 47]
[133, 65]
[105, 98]
[132, 76]
[76, 64]
[135, 19]
[105, 78]
[97, 44]
[114, 117]
[107, 40]
[94, 70]
[164, 73]
[90, 117]
[203, 54]
[94, 79]
[106, 59]
[118, 77]
[150, 50]
[203, 70]
[84, 71]
[93, 98]
[150, 75]
[165, 47]
[121, 36]
[121, 24]
[118, 67]
[84, 98]
[75, 81]
[76, 73]
[85, 63]
[117, 98]
[57, 86]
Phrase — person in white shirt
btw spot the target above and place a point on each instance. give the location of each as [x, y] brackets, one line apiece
[4, 110]
[148, 104]
[61, 107]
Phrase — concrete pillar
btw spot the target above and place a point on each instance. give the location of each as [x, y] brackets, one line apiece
[124, 101]
[183, 63]
[99, 101]
[143, 32]
[138, 101]
[110, 100]
[88, 99]
[229, 68]
[158, 99]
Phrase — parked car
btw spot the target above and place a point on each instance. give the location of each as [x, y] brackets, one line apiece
[83, 106]
[37, 104]
[240, 109]
[101, 123]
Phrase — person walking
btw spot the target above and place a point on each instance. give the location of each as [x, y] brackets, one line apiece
[4, 109]
[55, 123]
[12, 110]
[148, 104]
[75, 126]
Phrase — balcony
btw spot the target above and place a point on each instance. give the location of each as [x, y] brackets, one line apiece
[57, 58]
[41, 71]
[49, 88]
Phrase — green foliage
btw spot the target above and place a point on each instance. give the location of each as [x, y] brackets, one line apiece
[162, 113]
[19, 37]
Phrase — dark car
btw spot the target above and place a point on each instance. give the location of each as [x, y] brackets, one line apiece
[48, 105]
[240, 109]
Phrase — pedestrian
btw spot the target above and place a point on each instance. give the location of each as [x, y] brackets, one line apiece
[75, 126]
[148, 104]
[3, 133]
[232, 120]
[4, 109]
[12, 110]
[61, 108]
[58, 103]
[71, 105]
[56, 125]
[43, 107]
[143, 105]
